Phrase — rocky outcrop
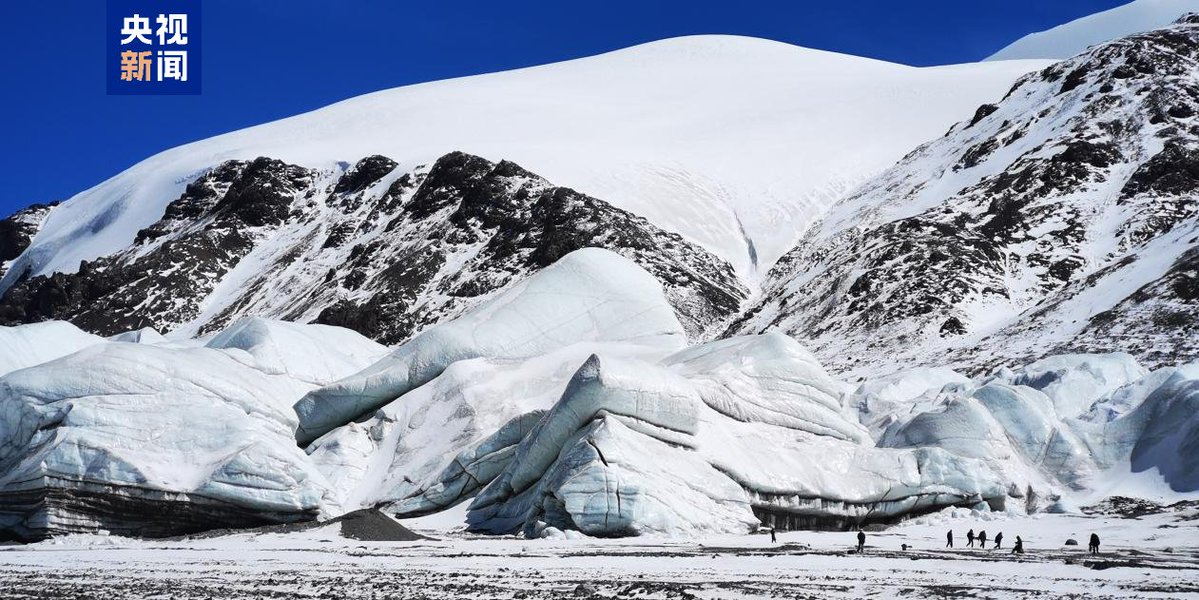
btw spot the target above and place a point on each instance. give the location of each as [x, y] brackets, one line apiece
[1063, 218]
[383, 252]
[18, 230]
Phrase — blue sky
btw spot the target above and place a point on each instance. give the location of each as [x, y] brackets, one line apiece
[267, 59]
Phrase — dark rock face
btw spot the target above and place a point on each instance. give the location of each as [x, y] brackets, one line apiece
[1063, 218]
[498, 223]
[383, 253]
[367, 171]
[17, 231]
[176, 262]
[1159, 322]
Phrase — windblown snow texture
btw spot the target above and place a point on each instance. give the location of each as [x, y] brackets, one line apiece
[377, 249]
[1064, 218]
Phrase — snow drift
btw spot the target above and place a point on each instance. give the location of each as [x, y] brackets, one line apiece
[36, 343]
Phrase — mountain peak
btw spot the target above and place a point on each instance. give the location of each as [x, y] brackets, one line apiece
[1071, 38]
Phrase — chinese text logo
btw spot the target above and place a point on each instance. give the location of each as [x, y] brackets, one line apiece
[154, 47]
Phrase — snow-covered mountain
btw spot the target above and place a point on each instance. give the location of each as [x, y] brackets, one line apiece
[565, 360]
[1074, 37]
[1063, 218]
[377, 248]
[735, 143]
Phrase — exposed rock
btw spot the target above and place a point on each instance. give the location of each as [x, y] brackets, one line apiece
[1062, 219]
[383, 253]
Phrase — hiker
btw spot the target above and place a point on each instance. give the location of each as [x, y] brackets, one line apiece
[970, 539]
[998, 539]
[773, 539]
[861, 541]
[982, 539]
[949, 539]
[1094, 546]
[1019, 547]
[904, 546]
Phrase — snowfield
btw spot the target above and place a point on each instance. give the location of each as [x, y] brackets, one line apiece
[1148, 557]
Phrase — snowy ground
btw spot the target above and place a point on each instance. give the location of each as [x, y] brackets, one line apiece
[1151, 557]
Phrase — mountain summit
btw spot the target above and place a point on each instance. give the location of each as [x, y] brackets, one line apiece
[1063, 218]
[1074, 37]
[735, 143]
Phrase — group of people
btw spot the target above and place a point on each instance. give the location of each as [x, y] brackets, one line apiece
[1017, 548]
[981, 537]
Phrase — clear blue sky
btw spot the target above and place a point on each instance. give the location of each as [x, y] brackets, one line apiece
[267, 59]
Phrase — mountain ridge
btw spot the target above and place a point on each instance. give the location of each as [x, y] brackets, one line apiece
[1021, 229]
[375, 248]
[649, 129]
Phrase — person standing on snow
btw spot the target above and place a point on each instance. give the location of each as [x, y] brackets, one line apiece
[1019, 547]
[970, 539]
[949, 539]
[1093, 547]
[982, 539]
[998, 539]
[861, 541]
[773, 539]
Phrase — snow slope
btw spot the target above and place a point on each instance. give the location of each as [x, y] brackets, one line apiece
[736, 143]
[36, 343]
[316, 354]
[1061, 219]
[1069, 39]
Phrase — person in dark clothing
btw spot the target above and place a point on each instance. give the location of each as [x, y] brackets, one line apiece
[773, 539]
[982, 539]
[1094, 546]
[949, 539]
[861, 541]
[1019, 547]
[970, 539]
[998, 539]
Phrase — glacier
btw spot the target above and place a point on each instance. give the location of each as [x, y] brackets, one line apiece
[137, 438]
[142, 440]
[588, 295]
[316, 354]
[571, 402]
